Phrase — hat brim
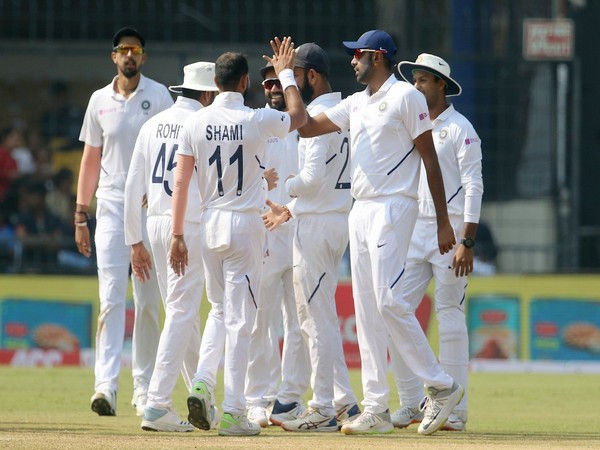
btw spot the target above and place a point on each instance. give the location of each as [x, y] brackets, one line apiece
[350, 46]
[406, 68]
[196, 87]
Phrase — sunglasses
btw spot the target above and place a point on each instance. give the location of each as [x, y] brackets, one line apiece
[270, 83]
[125, 49]
[359, 52]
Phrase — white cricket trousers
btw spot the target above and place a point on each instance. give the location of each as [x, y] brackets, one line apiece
[380, 232]
[113, 258]
[276, 298]
[233, 280]
[179, 343]
[319, 244]
[424, 262]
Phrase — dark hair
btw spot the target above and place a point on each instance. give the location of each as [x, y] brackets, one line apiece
[191, 93]
[230, 67]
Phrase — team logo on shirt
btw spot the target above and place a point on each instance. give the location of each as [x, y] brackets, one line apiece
[423, 116]
[471, 140]
[444, 133]
[383, 106]
[145, 105]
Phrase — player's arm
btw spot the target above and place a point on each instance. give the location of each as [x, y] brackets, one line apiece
[468, 156]
[89, 173]
[183, 173]
[462, 262]
[425, 147]
[317, 125]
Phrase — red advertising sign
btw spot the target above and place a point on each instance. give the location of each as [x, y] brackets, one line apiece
[548, 39]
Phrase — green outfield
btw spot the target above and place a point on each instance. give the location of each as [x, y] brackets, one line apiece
[49, 408]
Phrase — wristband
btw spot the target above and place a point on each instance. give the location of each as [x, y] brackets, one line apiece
[286, 78]
[178, 236]
[289, 214]
[80, 224]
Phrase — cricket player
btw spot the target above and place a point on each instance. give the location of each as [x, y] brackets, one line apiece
[151, 175]
[226, 142]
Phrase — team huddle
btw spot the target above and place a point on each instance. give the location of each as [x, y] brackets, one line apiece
[257, 207]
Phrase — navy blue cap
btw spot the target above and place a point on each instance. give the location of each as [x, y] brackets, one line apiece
[128, 31]
[373, 40]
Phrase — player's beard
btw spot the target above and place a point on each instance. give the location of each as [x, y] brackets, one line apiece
[306, 90]
[278, 104]
[363, 77]
[130, 71]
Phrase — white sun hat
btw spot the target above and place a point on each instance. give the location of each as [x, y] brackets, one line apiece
[199, 76]
[434, 65]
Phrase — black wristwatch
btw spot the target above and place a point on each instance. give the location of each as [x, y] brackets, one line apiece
[468, 242]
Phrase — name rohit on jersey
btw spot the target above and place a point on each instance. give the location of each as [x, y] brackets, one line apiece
[224, 132]
[168, 130]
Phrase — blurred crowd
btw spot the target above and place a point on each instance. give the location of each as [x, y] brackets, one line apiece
[38, 161]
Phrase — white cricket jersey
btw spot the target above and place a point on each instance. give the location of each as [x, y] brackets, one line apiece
[112, 122]
[323, 184]
[383, 157]
[228, 141]
[152, 167]
[458, 149]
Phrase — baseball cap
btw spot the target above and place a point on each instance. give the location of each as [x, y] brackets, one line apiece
[311, 56]
[434, 65]
[373, 40]
[264, 69]
[199, 76]
[128, 31]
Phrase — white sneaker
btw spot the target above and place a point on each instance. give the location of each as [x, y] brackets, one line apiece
[237, 426]
[199, 406]
[169, 421]
[258, 415]
[104, 403]
[438, 406]
[346, 414]
[405, 416]
[457, 421]
[285, 412]
[311, 420]
[215, 417]
[140, 397]
[369, 423]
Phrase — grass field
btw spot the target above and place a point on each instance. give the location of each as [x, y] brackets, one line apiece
[49, 409]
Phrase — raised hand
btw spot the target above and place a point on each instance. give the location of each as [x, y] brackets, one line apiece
[284, 55]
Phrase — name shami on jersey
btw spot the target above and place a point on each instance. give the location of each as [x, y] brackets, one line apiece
[224, 132]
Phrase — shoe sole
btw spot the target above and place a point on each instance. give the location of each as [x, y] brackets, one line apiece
[312, 430]
[406, 425]
[369, 431]
[150, 426]
[447, 409]
[278, 421]
[101, 407]
[447, 427]
[198, 413]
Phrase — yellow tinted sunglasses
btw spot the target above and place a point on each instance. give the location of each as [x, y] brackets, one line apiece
[125, 49]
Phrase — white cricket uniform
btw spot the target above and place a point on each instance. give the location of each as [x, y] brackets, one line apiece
[228, 140]
[151, 173]
[112, 122]
[385, 174]
[321, 207]
[458, 148]
[276, 296]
